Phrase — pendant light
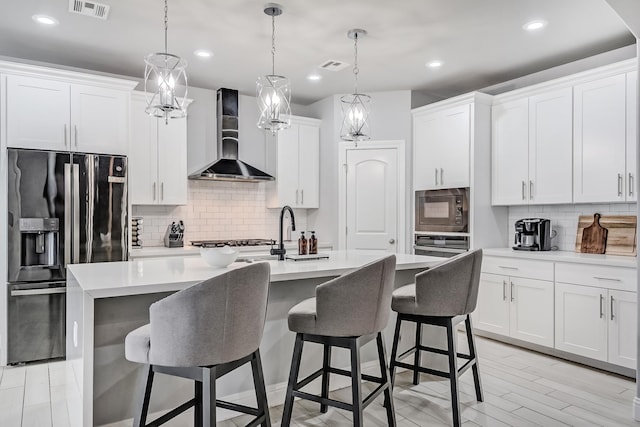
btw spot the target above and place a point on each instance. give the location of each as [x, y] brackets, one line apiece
[273, 92]
[165, 81]
[355, 106]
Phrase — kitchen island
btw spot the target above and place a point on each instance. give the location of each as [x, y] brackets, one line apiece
[105, 301]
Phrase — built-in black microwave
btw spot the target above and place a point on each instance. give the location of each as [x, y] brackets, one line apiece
[445, 210]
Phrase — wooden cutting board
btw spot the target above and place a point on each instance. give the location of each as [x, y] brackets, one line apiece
[594, 237]
[621, 235]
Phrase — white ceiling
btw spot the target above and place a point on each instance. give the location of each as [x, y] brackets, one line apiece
[481, 42]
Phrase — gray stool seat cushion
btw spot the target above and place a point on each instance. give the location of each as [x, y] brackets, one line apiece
[352, 305]
[137, 344]
[303, 316]
[403, 300]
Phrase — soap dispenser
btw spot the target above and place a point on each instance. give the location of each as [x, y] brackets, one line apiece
[302, 244]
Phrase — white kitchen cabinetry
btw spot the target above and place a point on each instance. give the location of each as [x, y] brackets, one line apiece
[516, 299]
[293, 159]
[600, 140]
[158, 158]
[532, 148]
[596, 313]
[50, 114]
[632, 132]
[441, 147]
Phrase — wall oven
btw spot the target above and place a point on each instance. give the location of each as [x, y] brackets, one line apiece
[440, 246]
[444, 210]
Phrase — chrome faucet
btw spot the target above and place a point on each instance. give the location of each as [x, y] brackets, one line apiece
[281, 250]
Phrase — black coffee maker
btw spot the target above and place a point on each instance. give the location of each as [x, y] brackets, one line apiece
[533, 234]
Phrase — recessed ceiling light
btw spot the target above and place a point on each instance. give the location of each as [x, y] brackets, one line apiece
[314, 77]
[434, 64]
[535, 25]
[203, 53]
[45, 20]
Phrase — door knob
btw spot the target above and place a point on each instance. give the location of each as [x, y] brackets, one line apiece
[392, 241]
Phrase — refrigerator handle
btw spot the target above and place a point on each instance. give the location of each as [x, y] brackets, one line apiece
[76, 213]
[67, 214]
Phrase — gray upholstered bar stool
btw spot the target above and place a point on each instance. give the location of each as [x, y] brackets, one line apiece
[344, 310]
[202, 333]
[444, 296]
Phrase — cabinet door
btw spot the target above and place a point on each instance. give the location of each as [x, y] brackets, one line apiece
[551, 147]
[100, 120]
[309, 165]
[454, 146]
[143, 156]
[599, 140]
[492, 311]
[37, 113]
[531, 307]
[510, 155]
[632, 136]
[288, 159]
[172, 162]
[427, 153]
[581, 325]
[622, 328]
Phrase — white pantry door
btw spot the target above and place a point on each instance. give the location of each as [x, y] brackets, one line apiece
[372, 199]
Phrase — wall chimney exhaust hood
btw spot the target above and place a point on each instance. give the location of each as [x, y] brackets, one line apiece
[228, 167]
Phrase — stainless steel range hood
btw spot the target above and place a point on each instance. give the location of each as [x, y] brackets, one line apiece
[228, 167]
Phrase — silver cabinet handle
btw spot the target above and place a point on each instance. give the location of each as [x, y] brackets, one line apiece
[154, 191]
[441, 177]
[512, 297]
[297, 196]
[630, 184]
[392, 241]
[530, 190]
[162, 191]
[612, 316]
[504, 290]
[302, 197]
[436, 169]
[610, 279]
[523, 186]
[619, 184]
[601, 308]
[75, 129]
[32, 292]
[75, 192]
[65, 134]
[507, 267]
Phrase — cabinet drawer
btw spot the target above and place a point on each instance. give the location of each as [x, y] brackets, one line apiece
[600, 276]
[542, 270]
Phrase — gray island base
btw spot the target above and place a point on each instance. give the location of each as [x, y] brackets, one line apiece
[108, 300]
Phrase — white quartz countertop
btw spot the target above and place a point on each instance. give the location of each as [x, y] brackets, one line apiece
[565, 256]
[142, 276]
[188, 250]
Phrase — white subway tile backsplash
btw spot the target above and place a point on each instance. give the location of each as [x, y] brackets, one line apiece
[217, 210]
[564, 218]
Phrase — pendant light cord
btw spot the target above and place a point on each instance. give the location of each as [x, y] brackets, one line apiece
[273, 45]
[356, 70]
[166, 26]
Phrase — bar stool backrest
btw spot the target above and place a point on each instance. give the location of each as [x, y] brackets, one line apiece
[357, 303]
[216, 321]
[450, 288]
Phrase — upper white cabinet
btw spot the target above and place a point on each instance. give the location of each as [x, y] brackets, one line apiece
[59, 112]
[157, 158]
[600, 140]
[532, 149]
[293, 159]
[632, 135]
[441, 141]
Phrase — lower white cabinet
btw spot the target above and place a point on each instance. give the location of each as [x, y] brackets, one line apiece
[596, 322]
[518, 307]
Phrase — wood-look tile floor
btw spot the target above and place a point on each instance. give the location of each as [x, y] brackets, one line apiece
[522, 388]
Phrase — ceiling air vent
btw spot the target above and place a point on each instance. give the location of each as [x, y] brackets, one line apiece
[89, 8]
[333, 65]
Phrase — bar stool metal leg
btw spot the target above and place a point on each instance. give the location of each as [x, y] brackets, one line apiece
[388, 395]
[197, 407]
[326, 365]
[293, 379]
[453, 372]
[209, 397]
[140, 416]
[356, 385]
[416, 361]
[472, 353]
[394, 350]
[261, 391]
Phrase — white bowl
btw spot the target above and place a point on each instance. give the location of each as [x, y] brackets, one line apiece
[219, 257]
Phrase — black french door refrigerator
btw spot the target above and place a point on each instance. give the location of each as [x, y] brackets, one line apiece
[63, 208]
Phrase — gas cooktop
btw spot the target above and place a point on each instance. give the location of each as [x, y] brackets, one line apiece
[233, 242]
